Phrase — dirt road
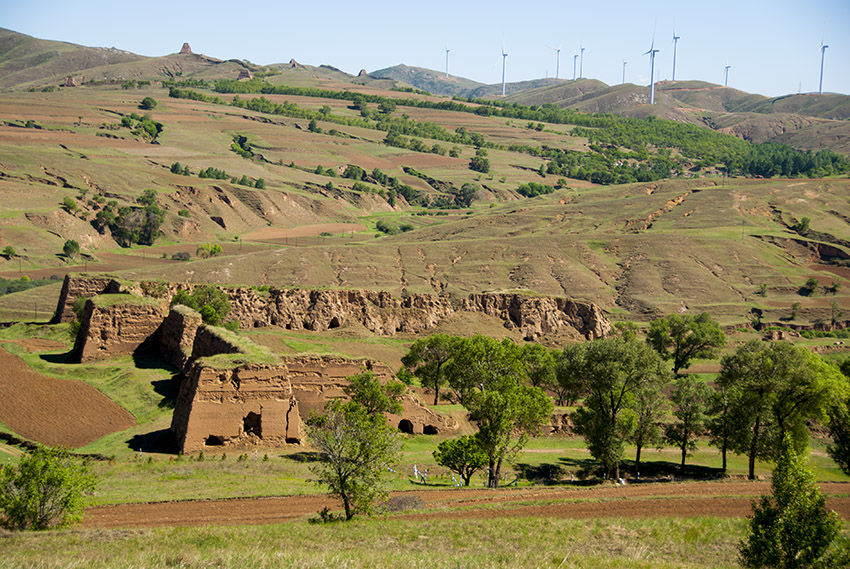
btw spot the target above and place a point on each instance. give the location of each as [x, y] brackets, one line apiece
[724, 499]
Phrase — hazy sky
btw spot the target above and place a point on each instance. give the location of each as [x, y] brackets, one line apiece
[772, 46]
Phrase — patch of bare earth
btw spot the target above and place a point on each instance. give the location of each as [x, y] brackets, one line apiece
[723, 499]
[55, 411]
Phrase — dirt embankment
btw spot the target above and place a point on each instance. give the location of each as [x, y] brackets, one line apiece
[55, 411]
[723, 499]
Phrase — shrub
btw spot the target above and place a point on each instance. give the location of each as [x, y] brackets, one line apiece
[44, 490]
[71, 248]
[148, 104]
[181, 256]
[479, 164]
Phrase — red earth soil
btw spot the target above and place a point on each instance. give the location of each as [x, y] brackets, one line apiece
[723, 499]
[55, 411]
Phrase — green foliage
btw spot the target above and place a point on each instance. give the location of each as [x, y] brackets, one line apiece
[8, 286]
[427, 359]
[9, 252]
[539, 363]
[260, 184]
[533, 189]
[213, 173]
[791, 528]
[683, 338]
[129, 224]
[242, 147]
[649, 408]
[462, 456]
[148, 104]
[354, 172]
[45, 489]
[355, 448]
[366, 390]
[385, 227]
[773, 390]
[479, 164]
[207, 250]
[184, 213]
[210, 301]
[802, 226]
[488, 378]
[809, 287]
[71, 248]
[691, 399]
[609, 372]
[69, 205]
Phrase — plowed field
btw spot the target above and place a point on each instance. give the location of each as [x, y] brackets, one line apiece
[55, 411]
[723, 499]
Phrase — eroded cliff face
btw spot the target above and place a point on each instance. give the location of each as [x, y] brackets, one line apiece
[380, 312]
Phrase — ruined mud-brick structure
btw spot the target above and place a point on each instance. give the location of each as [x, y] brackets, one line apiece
[233, 392]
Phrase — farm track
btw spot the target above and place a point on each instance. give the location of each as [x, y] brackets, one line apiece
[693, 499]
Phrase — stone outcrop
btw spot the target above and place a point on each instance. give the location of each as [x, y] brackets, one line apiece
[116, 328]
[379, 312]
[244, 74]
[186, 49]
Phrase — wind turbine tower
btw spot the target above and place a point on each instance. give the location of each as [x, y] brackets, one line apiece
[726, 80]
[575, 58]
[675, 45]
[624, 71]
[557, 62]
[447, 62]
[581, 65]
[651, 53]
[822, 53]
[504, 57]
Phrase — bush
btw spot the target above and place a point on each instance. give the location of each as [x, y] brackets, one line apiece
[181, 256]
[148, 104]
[479, 164]
[44, 490]
[71, 248]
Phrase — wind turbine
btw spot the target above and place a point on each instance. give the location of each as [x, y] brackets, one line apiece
[447, 62]
[822, 53]
[581, 65]
[726, 80]
[504, 57]
[624, 71]
[575, 58]
[675, 45]
[651, 53]
[557, 51]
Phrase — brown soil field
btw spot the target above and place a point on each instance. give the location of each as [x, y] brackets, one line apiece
[55, 411]
[38, 344]
[723, 499]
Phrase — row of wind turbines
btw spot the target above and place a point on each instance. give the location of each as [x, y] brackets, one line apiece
[578, 58]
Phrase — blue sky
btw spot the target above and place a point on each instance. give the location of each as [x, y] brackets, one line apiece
[773, 47]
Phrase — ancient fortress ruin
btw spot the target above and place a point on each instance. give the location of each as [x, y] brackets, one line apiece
[235, 392]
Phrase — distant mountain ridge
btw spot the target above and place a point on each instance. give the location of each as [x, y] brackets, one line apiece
[804, 121]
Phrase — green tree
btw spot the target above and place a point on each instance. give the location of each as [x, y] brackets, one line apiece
[609, 373]
[69, 204]
[71, 248]
[148, 104]
[539, 363]
[45, 489]
[775, 389]
[683, 338]
[479, 164]
[462, 456]
[427, 358]
[207, 250]
[355, 448]
[366, 390]
[488, 377]
[839, 428]
[649, 410]
[791, 528]
[9, 252]
[691, 398]
[466, 195]
[210, 301]
[177, 168]
[260, 184]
